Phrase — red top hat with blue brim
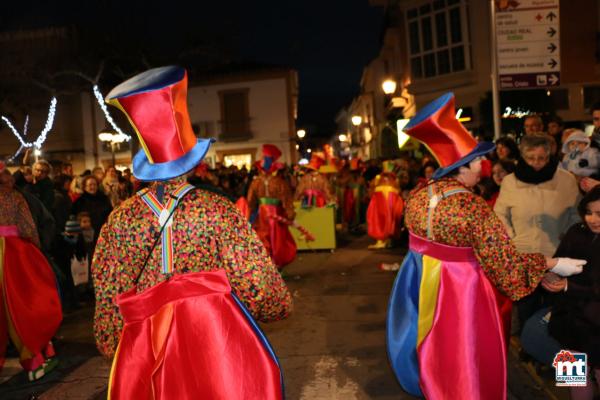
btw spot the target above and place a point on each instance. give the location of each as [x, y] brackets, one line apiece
[155, 102]
[270, 155]
[446, 138]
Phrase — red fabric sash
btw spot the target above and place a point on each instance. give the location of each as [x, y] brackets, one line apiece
[349, 211]
[187, 338]
[275, 235]
[29, 290]
[242, 205]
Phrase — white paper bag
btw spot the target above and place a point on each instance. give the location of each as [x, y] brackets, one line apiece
[79, 270]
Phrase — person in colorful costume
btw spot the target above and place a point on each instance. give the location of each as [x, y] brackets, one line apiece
[384, 214]
[272, 196]
[178, 272]
[450, 302]
[30, 308]
[313, 188]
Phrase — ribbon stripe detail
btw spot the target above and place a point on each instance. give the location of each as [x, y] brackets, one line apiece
[163, 213]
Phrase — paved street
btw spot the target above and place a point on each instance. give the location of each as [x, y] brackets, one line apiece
[332, 347]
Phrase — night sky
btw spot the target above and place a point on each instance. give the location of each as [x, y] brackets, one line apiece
[329, 42]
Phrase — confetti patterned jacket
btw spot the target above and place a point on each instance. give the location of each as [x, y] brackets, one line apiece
[465, 220]
[208, 234]
[15, 211]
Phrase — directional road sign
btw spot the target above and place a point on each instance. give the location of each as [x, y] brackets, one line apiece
[528, 43]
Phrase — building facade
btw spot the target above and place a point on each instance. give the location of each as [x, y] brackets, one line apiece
[244, 110]
[445, 45]
[241, 110]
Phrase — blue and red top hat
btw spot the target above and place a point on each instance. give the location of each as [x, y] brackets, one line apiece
[155, 102]
[270, 155]
[448, 140]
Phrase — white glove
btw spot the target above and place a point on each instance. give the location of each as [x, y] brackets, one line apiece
[568, 266]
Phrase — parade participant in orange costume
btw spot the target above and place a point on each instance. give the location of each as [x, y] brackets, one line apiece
[271, 194]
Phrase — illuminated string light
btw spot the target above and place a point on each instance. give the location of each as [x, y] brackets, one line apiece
[25, 127]
[12, 159]
[37, 144]
[100, 99]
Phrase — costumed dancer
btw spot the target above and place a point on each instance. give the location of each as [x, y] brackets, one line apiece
[272, 196]
[384, 214]
[450, 303]
[313, 188]
[178, 272]
[30, 309]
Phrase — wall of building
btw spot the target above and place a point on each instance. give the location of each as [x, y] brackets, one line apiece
[268, 110]
[579, 28]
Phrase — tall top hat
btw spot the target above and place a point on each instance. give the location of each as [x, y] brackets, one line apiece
[270, 154]
[155, 102]
[450, 143]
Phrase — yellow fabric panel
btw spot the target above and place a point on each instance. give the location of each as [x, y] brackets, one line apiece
[320, 221]
[386, 190]
[428, 294]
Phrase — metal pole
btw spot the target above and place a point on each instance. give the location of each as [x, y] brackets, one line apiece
[494, 76]
[112, 150]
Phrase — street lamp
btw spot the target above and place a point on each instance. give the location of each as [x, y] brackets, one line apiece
[113, 140]
[389, 86]
[356, 120]
[342, 137]
[301, 133]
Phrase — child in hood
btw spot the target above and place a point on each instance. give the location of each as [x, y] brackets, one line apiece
[580, 158]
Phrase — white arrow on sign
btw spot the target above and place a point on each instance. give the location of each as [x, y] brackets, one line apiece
[553, 79]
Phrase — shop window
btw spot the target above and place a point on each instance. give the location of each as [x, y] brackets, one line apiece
[437, 35]
[239, 160]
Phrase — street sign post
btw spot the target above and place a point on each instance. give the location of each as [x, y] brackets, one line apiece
[527, 43]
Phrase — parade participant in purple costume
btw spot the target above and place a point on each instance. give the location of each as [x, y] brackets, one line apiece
[178, 272]
[450, 303]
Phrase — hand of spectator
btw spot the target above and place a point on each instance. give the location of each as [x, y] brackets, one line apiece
[553, 283]
[568, 266]
[587, 184]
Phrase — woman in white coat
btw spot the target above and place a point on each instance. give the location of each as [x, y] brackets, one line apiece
[537, 204]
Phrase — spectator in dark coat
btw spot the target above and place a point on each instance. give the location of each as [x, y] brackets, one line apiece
[93, 202]
[62, 201]
[43, 219]
[42, 186]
